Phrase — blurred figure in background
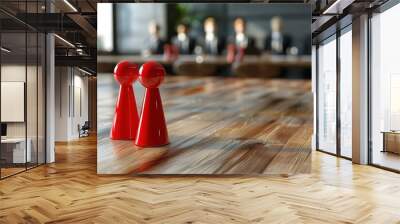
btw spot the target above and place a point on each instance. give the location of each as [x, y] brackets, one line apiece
[183, 41]
[211, 43]
[155, 44]
[241, 39]
[277, 42]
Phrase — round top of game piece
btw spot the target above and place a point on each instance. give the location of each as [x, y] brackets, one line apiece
[126, 72]
[151, 74]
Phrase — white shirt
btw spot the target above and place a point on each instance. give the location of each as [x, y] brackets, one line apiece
[277, 42]
[211, 43]
[241, 40]
[183, 41]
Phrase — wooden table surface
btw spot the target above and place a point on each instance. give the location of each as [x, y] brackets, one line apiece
[216, 126]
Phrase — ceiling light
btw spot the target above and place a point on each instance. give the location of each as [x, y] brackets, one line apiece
[84, 71]
[333, 6]
[64, 40]
[80, 51]
[5, 50]
[337, 7]
[70, 5]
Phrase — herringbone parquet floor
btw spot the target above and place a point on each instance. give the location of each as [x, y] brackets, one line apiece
[71, 192]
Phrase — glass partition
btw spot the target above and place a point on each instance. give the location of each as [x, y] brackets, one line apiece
[22, 78]
[327, 95]
[14, 153]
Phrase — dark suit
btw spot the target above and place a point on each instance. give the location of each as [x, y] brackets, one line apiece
[156, 46]
[186, 47]
[212, 47]
[251, 48]
[285, 42]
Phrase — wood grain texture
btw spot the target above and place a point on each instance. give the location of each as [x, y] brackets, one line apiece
[216, 126]
[70, 191]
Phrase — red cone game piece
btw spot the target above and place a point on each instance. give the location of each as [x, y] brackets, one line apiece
[152, 131]
[126, 117]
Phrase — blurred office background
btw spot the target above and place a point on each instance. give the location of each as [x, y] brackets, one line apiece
[277, 40]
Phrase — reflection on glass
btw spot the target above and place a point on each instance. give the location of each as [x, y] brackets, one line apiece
[385, 92]
[327, 96]
[346, 94]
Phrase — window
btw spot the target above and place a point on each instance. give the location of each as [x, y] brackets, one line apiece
[346, 93]
[132, 25]
[385, 89]
[327, 96]
[105, 27]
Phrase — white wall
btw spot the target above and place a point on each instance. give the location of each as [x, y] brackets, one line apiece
[70, 83]
[61, 83]
[79, 117]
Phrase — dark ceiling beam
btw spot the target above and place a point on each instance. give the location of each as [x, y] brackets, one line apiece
[77, 61]
[54, 22]
[91, 5]
[15, 18]
[79, 17]
[322, 22]
[49, 22]
[63, 7]
[83, 23]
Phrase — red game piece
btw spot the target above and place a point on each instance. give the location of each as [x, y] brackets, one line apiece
[126, 117]
[152, 131]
